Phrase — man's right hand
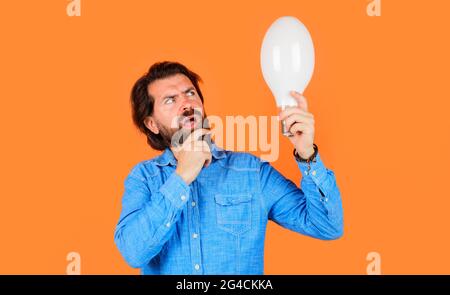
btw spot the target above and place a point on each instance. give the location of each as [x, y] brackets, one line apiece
[192, 155]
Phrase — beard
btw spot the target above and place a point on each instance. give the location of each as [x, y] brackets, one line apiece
[190, 120]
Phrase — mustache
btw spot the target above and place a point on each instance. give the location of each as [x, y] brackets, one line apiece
[181, 135]
[190, 112]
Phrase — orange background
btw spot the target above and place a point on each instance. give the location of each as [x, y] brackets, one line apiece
[379, 94]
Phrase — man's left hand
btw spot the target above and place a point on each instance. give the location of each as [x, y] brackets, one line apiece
[301, 124]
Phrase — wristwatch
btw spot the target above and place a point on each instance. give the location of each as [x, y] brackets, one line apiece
[310, 159]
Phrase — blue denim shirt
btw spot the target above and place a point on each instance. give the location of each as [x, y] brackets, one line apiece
[217, 224]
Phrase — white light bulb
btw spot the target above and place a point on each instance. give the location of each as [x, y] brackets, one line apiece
[287, 60]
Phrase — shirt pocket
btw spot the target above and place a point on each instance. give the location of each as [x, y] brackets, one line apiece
[234, 212]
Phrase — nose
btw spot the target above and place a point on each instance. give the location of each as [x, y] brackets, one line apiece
[186, 103]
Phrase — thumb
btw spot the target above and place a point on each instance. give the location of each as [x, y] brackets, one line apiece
[301, 100]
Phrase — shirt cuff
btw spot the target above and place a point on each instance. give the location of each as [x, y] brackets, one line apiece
[176, 190]
[313, 171]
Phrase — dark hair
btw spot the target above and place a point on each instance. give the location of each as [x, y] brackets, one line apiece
[142, 102]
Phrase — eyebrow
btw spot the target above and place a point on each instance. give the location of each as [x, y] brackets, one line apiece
[185, 91]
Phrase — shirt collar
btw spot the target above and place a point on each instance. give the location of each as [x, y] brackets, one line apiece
[167, 156]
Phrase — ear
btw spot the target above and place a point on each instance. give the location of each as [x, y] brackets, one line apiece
[151, 124]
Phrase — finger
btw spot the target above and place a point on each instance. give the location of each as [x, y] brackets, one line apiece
[206, 150]
[208, 160]
[300, 128]
[197, 134]
[301, 100]
[204, 146]
[293, 110]
[200, 146]
[298, 118]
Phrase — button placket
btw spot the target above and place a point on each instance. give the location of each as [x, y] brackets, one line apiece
[194, 214]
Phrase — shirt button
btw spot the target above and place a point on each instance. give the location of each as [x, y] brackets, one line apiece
[197, 267]
[306, 172]
[314, 172]
[194, 236]
[183, 198]
[168, 224]
[193, 204]
[326, 199]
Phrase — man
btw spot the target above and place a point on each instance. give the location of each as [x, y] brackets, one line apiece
[198, 209]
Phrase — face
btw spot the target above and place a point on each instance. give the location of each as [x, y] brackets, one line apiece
[177, 107]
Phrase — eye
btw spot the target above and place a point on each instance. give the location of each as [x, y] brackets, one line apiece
[191, 93]
[169, 100]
